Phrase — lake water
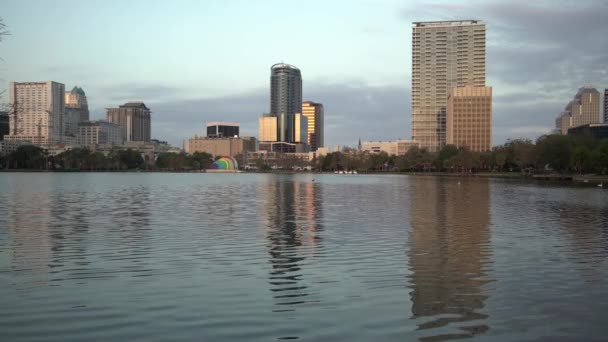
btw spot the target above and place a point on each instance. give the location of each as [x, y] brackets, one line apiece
[262, 257]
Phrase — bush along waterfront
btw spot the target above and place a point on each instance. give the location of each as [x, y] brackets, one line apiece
[82, 159]
[548, 154]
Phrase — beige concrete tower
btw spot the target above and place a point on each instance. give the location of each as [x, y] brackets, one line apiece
[469, 118]
[36, 112]
[445, 54]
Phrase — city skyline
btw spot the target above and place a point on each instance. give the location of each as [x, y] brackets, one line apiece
[352, 81]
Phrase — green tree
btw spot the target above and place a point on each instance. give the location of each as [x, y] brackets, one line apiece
[28, 157]
[130, 159]
[555, 151]
[203, 159]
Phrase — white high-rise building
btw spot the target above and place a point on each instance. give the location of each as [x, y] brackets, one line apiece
[36, 112]
[445, 55]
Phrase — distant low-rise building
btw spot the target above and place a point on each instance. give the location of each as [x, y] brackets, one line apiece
[393, 148]
[222, 129]
[7, 146]
[220, 146]
[597, 131]
[100, 133]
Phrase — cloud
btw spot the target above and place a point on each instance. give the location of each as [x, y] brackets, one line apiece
[152, 93]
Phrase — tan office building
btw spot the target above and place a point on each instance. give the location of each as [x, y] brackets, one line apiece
[469, 118]
[445, 54]
[220, 146]
[135, 119]
[393, 148]
[314, 113]
[583, 109]
[267, 128]
[36, 112]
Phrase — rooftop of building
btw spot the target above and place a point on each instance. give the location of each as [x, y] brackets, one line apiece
[284, 66]
[588, 89]
[389, 141]
[223, 123]
[78, 90]
[312, 103]
[95, 123]
[134, 104]
[447, 23]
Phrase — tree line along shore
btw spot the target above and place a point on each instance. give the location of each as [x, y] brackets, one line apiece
[551, 154]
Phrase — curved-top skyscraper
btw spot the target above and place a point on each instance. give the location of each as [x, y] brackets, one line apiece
[286, 101]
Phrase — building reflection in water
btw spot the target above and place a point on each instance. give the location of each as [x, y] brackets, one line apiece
[28, 218]
[292, 212]
[449, 253]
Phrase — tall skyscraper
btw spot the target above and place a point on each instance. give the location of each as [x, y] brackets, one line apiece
[286, 99]
[314, 113]
[445, 55]
[583, 109]
[76, 101]
[35, 112]
[469, 118]
[135, 119]
[605, 105]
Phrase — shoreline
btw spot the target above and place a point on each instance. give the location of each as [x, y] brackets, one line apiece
[544, 178]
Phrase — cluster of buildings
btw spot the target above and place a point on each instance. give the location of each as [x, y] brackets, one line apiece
[45, 115]
[582, 115]
[293, 127]
[451, 104]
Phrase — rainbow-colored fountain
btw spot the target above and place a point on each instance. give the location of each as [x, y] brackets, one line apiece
[224, 164]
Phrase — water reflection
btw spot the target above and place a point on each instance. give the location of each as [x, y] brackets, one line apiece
[28, 218]
[292, 213]
[449, 254]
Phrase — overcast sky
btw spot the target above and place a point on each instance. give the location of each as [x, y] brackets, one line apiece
[197, 61]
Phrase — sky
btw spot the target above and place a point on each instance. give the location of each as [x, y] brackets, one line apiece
[194, 62]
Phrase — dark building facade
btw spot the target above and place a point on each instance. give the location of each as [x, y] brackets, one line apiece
[4, 127]
[135, 119]
[222, 129]
[596, 131]
[605, 105]
[286, 101]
